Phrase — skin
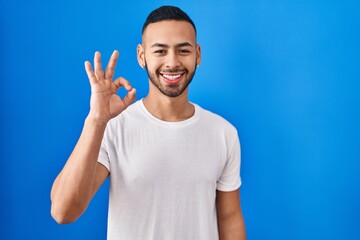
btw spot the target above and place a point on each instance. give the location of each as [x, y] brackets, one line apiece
[82, 175]
[169, 47]
[169, 53]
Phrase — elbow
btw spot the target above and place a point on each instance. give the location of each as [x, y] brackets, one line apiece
[62, 219]
[62, 215]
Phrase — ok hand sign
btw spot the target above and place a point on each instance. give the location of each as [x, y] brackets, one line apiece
[105, 103]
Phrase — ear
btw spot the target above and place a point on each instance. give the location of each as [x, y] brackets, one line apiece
[198, 55]
[140, 55]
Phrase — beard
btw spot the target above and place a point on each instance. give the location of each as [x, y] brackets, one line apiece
[173, 90]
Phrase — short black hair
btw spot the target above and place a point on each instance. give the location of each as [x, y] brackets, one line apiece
[166, 13]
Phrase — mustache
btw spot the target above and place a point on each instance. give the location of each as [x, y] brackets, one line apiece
[174, 70]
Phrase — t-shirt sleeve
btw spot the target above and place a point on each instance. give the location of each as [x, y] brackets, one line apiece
[104, 156]
[230, 179]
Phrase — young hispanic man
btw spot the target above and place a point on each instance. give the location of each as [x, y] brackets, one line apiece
[174, 167]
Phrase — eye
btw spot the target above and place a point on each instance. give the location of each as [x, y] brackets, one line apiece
[160, 51]
[184, 51]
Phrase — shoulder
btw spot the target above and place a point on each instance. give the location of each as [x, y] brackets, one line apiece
[214, 120]
[218, 127]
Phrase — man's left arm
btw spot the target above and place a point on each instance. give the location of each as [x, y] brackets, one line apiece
[230, 218]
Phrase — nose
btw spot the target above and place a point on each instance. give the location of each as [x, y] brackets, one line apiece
[172, 60]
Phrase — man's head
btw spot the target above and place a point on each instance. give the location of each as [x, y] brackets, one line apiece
[167, 13]
[169, 51]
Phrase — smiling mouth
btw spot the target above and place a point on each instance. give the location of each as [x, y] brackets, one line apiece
[172, 78]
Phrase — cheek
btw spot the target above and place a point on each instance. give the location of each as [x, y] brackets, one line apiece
[190, 62]
[152, 63]
[152, 68]
[191, 66]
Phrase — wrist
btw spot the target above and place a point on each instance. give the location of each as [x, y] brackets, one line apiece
[96, 121]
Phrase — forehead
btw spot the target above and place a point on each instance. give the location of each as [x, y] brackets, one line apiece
[169, 32]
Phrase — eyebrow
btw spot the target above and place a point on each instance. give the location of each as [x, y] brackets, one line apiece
[161, 45]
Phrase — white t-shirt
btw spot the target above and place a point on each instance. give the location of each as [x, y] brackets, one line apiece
[164, 175]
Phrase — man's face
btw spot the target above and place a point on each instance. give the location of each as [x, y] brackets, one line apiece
[170, 55]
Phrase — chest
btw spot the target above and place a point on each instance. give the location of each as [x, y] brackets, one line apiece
[165, 157]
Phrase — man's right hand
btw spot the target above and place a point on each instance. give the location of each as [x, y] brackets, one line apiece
[105, 103]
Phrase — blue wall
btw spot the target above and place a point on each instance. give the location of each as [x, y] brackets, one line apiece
[285, 73]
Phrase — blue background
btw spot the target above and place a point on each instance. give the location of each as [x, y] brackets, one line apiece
[285, 73]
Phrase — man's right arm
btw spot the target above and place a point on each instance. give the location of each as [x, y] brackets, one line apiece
[82, 175]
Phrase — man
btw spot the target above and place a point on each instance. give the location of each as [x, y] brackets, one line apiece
[173, 166]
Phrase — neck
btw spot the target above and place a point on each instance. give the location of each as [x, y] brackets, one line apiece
[170, 109]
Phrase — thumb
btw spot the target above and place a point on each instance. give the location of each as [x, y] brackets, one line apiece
[130, 97]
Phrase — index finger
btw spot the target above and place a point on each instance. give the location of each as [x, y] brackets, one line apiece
[110, 68]
[122, 82]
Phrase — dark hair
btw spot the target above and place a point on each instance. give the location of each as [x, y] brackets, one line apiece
[166, 13]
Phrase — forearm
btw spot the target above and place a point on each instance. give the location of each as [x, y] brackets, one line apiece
[72, 189]
[232, 228]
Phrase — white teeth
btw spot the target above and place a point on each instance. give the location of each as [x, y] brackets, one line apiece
[171, 77]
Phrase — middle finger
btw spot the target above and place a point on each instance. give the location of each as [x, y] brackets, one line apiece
[97, 66]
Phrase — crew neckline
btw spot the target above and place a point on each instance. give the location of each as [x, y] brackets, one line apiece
[177, 124]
